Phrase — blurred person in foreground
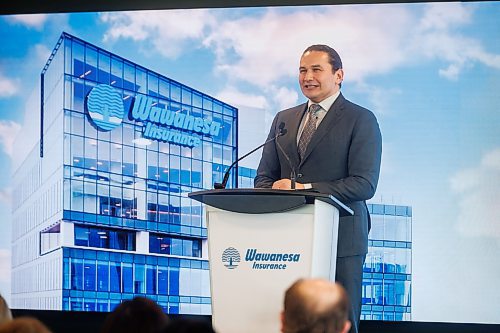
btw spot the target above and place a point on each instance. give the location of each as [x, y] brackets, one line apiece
[139, 315]
[315, 306]
[5, 314]
[24, 325]
[187, 325]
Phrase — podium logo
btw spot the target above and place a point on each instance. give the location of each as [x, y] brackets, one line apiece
[269, 261]
[105, 107]
[231, 258]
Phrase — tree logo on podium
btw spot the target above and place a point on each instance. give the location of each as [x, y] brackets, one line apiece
[231, 258]
[105, 107]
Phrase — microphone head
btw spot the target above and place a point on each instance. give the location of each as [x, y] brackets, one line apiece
[281, 129]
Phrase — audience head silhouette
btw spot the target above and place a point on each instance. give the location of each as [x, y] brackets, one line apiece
[140, 315]
[24, 325]
[5, 314]
[185, 325]
[314, 306]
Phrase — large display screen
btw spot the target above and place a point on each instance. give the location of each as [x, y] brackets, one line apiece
[430, 72]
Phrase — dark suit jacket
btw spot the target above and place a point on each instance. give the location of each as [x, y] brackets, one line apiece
[342, 159]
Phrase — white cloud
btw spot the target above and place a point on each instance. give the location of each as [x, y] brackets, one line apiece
[284, 97]
[31, 20]
[438, 37]
[264, 49]
[380, 99]
[492, 160]
[35, 59]
[444, 17]
[4, 265]
[232, 96]
[8, 87]
[8, 132]
[478, 194]
[42, 52]
[168, 31]
[252, 48]
[451, 72]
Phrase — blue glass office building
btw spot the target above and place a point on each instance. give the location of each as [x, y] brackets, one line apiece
[100, 210]
[387, 272]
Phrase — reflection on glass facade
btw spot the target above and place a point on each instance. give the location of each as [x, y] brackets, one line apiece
[102, 211]
[245, 177]
[106, 238]
[99, 280]
[159, 243]
[387, 270]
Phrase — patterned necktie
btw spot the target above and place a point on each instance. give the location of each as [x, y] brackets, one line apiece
[309, 129]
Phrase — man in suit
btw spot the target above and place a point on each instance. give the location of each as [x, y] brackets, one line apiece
[334, 147]
[315, 305]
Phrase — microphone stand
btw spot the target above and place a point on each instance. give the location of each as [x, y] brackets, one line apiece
[293, 177]
[222, 185]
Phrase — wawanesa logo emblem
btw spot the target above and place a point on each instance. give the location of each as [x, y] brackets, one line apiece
[231, 258]
[105, 107]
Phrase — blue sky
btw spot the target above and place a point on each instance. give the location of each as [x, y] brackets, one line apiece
[430, 72]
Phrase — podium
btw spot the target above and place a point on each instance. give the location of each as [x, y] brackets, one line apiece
[259, 242]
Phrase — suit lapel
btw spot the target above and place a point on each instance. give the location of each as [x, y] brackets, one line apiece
[327, 124]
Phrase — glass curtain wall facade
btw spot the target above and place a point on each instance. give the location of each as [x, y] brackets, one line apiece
[387, 270]
[245, 177]
[123, 224]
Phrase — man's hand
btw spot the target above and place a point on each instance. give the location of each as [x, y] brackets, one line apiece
[286, 184]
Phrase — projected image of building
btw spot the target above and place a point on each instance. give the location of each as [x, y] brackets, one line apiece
[100, 206]
[387, 271]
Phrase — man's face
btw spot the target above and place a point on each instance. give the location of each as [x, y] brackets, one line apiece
[316, 77]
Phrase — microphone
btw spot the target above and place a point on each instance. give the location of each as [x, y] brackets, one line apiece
[222, 185]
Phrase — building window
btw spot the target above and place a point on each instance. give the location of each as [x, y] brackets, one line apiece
[188, 247]
[104, 238]
[89, 275]
[50, 239]
[102, 275]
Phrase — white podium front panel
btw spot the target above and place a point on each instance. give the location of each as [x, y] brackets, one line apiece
[254, 258]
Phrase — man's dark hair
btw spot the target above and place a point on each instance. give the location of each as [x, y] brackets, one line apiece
[313, 306]
[137, 315]
[333, 56]
[188, 325]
